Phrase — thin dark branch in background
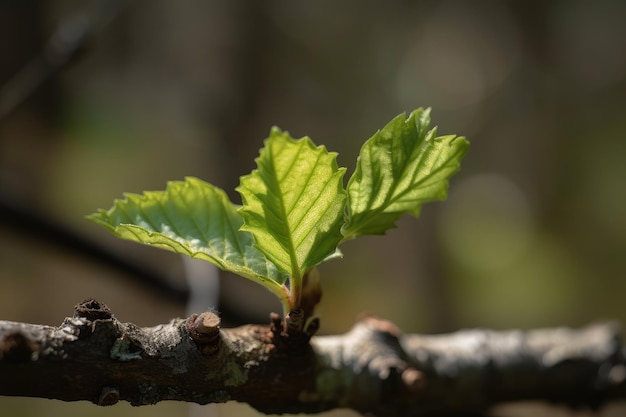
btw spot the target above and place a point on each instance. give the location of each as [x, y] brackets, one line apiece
[30, 223]
[71, 37]
[68, 40]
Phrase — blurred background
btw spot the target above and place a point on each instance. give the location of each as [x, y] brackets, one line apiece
[102, 97]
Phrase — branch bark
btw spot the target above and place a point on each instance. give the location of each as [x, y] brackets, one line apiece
[280, 368]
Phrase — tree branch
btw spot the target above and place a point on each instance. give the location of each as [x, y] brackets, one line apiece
[280, 369]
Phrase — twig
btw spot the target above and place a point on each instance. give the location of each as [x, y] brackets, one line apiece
[373, 368]
[71, 36]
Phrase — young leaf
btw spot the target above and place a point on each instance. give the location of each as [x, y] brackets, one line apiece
[196, 219]
[293, 203]
[399, 168]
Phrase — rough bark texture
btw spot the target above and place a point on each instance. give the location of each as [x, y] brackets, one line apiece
[279, 368]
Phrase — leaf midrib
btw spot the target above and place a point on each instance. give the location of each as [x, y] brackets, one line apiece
[290, 249]
[312, 201]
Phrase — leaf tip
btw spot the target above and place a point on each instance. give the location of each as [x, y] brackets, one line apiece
[275, 129]
[95, 216]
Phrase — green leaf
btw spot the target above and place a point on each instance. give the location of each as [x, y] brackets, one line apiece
[401, 167]
[293, 203]
[196, 219]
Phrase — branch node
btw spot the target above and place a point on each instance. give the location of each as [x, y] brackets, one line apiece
[381, 325]
[92, 310]
[414, 380]
[617, 374]
[277, 325]
[204, 329]
[109, 396]
[312, 326]
[17, 347]
[289, 337]
[295, 321]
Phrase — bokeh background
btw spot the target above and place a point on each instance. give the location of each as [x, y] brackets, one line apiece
[533, 232]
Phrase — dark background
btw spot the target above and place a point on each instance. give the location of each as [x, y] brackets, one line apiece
[534, 230]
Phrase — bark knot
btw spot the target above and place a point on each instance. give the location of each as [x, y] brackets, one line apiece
[92, 310]
[17, 347]
[204, 330]
[109, 396]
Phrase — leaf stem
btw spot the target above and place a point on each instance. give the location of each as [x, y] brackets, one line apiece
[296, 292]
[283, 293]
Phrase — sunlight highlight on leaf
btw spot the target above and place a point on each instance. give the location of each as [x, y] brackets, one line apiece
[401, 167]
[196, 219]
[294, 203]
